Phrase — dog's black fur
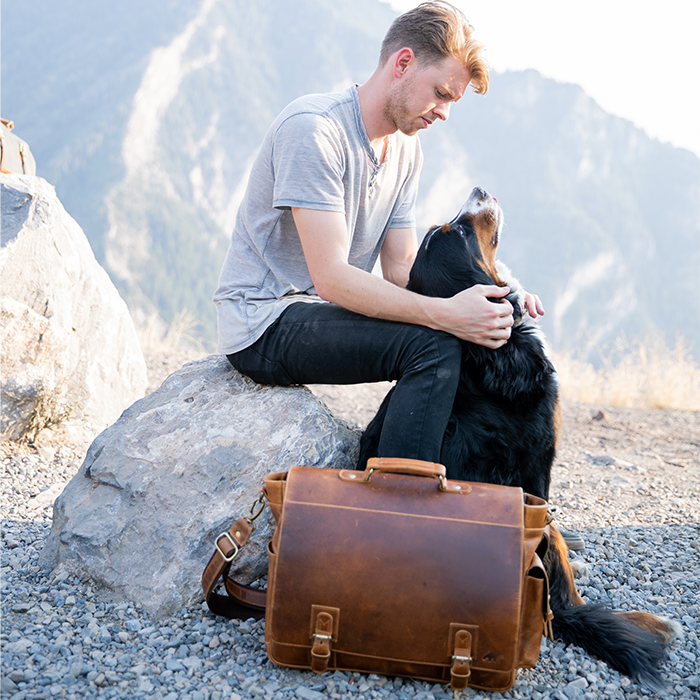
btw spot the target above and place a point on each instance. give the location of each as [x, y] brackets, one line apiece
[503, 429]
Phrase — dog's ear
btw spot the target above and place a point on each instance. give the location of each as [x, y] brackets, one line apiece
[448, 261]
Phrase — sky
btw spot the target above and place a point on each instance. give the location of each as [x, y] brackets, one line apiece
[637, 59]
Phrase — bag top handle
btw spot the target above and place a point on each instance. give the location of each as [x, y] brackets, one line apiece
[397, 465]
[413, 467]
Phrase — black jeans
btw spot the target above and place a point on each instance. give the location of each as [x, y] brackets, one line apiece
[313, 343]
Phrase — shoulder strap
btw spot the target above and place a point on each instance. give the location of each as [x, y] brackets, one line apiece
[242, 602]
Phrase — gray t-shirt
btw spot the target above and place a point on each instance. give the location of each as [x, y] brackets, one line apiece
[316, 155]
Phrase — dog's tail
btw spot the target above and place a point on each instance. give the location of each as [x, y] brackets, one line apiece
[632, 649]
[627, 648]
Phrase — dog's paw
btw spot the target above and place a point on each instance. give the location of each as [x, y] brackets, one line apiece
[581, 568]
[674, 629]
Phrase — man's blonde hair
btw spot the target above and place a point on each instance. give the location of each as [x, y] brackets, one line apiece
[436, 30]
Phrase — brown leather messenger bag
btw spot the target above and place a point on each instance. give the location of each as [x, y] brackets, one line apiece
[386, 572]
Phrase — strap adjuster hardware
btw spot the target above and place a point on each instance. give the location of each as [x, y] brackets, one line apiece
[236, 548]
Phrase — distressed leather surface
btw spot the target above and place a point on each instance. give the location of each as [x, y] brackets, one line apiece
[401, 567]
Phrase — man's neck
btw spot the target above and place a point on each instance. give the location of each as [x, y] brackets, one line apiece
[372, 100]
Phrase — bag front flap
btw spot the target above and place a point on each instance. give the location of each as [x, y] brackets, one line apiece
[403, 564]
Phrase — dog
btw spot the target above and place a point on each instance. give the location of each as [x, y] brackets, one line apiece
[504, 427]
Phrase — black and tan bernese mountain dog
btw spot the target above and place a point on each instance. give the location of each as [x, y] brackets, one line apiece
[504, 426]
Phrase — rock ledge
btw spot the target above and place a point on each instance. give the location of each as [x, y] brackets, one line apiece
[175, 470]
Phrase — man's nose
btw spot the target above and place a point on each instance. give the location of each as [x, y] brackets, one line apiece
[442, 111]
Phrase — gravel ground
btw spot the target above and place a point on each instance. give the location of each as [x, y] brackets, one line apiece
[628, 479]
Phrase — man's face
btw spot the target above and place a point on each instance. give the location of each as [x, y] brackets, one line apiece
[425, 93]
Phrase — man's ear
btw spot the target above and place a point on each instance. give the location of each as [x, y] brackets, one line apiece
[403, 59]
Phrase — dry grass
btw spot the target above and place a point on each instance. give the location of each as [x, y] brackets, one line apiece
[155, 336]
[642, 374]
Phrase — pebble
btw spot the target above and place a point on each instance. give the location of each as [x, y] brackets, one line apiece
[63, 638]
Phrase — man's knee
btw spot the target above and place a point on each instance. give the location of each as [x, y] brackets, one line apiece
[260, 369]
[434, 349]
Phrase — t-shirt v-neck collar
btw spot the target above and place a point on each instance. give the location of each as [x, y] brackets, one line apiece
[376, 162]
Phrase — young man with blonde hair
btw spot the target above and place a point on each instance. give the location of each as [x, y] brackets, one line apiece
[332, 190]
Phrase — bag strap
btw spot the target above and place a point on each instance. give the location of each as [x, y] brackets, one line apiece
[242, 602]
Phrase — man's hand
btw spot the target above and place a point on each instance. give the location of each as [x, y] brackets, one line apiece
[533, 305]
[471, 316]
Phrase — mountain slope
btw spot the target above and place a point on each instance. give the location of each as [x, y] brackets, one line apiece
[146, 117]
[601, 221]
[151, 151]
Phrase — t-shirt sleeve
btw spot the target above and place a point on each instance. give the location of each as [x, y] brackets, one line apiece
[308, 160]
[404, 214]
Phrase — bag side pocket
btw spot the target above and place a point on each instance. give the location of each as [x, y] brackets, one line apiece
[533, 614]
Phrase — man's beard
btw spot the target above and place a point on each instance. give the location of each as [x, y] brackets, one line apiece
[397, 112]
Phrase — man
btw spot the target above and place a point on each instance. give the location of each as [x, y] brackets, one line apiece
[333, 188]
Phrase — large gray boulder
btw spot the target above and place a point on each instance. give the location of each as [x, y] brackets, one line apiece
[69, 347]
[157, 487]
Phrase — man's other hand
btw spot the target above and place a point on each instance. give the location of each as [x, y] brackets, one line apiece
[533, 305]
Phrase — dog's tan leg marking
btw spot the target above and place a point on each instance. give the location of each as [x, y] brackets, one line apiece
[665, 629]
[580, 567]
[556, 542]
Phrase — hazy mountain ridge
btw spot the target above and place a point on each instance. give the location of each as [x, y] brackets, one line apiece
[605, 220]
[150, 117]
[156, 187]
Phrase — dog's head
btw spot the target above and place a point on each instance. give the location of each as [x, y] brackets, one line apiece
[462, 253]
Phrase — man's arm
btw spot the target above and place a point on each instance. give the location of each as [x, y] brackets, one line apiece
[397, 255]
[468, 315]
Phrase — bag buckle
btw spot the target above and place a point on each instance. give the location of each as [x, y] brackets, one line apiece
[460, 671]
[463, 659]
[232, 542]
[324, 628]
[461, 666]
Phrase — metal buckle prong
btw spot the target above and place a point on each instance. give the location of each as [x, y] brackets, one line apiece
[233, 544]
[467, 659]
